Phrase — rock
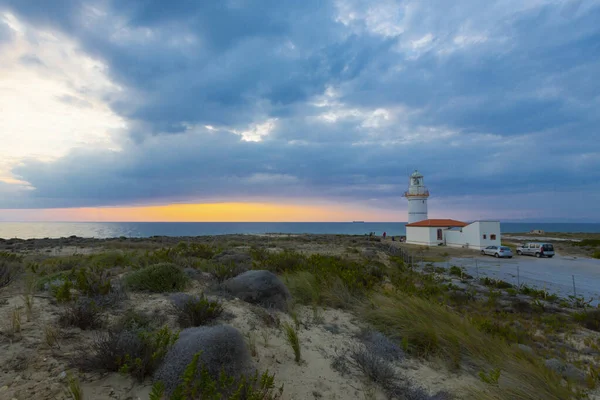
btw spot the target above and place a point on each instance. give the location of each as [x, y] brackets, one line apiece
[567, 371]
[259, 287]
[525, 348]
[62, 375]
[222, 347]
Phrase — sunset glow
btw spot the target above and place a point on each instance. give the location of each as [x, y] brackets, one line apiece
[216, 212]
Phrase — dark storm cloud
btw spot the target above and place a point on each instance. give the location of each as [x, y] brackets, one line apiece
[484, 97]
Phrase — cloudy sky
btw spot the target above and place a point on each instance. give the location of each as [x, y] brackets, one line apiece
[298, 110]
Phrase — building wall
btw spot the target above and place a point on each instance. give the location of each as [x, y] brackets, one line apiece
[418, 235]
[423, 235]
[472, 235]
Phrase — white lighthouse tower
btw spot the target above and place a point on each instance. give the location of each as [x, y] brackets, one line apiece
[417, 195]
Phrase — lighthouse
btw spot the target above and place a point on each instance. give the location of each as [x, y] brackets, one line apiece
[417, 195]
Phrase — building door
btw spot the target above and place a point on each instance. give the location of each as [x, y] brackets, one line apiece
[440, 236]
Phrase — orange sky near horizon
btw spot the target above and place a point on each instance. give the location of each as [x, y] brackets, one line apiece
[212, 212]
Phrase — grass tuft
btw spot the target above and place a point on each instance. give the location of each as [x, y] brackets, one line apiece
[51, 334]
[291, 335]
[74, 388]
[16, 321]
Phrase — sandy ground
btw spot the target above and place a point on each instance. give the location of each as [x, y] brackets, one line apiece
[32, 370]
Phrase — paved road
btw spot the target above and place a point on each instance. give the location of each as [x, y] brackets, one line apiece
[555, 274]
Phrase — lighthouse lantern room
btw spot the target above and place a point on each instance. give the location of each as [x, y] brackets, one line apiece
[417, 195]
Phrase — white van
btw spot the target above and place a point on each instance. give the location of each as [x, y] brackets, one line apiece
[536, 249]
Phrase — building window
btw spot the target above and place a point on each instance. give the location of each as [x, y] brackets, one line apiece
[485, 236]
[439, 234]
[493, 237]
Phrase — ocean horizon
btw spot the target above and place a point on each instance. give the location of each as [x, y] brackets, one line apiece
[40, 230]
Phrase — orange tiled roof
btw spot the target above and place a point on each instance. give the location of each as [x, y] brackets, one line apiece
[439, 222]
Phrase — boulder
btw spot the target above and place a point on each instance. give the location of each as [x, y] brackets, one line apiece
[259, 287]
[222, 347]
[567, 371]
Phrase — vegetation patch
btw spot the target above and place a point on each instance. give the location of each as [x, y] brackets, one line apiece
[495, 283]
[426, 329]
[198, 383]
[589, 319]
[137, 352]
[83, 313]
[195, 310]
[157, 278]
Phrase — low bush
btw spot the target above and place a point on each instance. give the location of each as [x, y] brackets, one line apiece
[198, 383]
[537, 293]
[587, 243]
[495, 283]
[222, 272]
[374, 367]
[92, 281]
[589, 319]
[596, 254]
[158, 278]
[83, 313]
[7, 273]
[137, 352]
[195, 310]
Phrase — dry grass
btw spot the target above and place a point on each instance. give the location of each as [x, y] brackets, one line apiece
[15, 321]
[433, 331]
[51, 334]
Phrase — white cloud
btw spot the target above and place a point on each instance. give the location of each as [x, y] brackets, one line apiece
[50, 98]
[257, 132]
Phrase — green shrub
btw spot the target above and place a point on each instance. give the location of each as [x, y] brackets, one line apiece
[62, 293]
[284, 261]
[589, 319]
[495, 283]
[596, 254]
[222, 272]
[196, 311]
[491, 377]
[163, 277]
[587, 243]
[199, 384]
[92, 282]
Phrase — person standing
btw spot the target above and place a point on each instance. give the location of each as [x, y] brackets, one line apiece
[384, 234]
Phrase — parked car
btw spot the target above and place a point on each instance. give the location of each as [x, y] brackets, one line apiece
[497, 251]
[536, 249]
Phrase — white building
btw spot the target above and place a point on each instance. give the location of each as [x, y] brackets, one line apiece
[447, 232]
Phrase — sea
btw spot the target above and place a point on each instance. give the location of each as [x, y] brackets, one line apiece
[40, 230]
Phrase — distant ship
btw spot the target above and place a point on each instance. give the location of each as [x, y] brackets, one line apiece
[358, 222]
